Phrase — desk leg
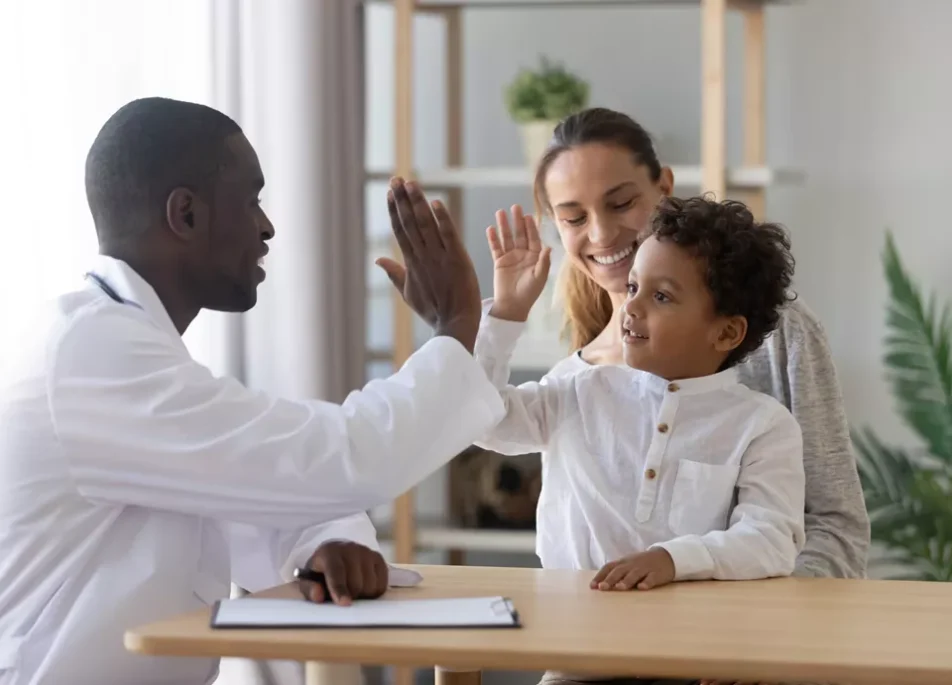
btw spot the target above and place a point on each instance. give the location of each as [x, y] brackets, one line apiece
[446, 676]
[318, 673]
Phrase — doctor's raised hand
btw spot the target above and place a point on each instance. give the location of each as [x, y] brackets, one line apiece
[520, 264]
[438, 280]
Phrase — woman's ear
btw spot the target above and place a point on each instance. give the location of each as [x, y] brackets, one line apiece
[666, 181]
[732, 332]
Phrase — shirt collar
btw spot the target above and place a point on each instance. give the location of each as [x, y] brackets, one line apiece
[694, 386]
[130, 286]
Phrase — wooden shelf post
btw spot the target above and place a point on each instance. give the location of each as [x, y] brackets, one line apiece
[755, 107]
[713, 97]
[403, 514]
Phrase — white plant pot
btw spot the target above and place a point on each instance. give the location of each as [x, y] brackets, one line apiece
[536, 136]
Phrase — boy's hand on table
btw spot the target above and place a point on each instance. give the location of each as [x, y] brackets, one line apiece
[642, 571]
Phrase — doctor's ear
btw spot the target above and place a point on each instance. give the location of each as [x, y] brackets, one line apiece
[184, 211]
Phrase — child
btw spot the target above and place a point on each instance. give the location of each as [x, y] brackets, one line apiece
[666, 469]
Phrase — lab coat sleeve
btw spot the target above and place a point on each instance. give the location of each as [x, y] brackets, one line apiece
[141, 423]
[265, 557]
[533, 410]
[766, 528]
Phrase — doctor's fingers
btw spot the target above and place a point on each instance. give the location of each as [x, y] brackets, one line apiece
[367, 573]
[335, 575]
[376, 576]
[417, 219]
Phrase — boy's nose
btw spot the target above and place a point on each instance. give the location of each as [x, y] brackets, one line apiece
[633, 307]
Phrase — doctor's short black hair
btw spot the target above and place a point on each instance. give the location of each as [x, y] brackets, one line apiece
[146, 149]
[749, 266]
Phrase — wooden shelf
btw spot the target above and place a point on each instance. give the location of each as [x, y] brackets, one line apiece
[436, 536]
[737, 178]
[425, 5]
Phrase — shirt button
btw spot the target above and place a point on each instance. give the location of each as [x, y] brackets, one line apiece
[673, 387]
[663, 428]
[650, 474]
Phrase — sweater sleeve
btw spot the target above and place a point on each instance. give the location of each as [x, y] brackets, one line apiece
[795, 365]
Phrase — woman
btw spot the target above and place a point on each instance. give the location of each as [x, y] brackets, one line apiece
[599, 181]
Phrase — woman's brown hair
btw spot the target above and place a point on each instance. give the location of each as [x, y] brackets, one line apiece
[588, 308]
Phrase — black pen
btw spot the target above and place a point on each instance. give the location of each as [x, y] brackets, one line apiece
[314, 577]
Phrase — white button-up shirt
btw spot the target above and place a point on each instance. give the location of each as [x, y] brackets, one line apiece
[134, 485]
[705, 468]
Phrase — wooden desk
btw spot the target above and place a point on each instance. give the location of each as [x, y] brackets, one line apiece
[782, 630]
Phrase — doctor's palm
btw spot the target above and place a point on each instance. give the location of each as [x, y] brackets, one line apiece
[520, 264]
[439, 280]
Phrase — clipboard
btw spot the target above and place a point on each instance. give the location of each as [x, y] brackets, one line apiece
[256, 613]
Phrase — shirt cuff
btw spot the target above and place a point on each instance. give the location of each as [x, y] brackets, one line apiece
[497, 338]
[692, 560]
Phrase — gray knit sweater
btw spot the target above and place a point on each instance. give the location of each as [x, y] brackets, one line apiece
[795, 366]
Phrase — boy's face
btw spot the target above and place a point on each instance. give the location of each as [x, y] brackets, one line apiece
[669, 325]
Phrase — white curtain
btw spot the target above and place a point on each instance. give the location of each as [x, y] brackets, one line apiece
[291, 73]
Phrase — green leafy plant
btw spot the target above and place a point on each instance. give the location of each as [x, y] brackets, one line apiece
[549, 93]
[909, 492]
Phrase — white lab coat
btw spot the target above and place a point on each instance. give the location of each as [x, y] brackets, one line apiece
[134, 485]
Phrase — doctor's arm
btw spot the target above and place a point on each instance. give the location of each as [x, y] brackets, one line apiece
[766, 527]
[139, 422]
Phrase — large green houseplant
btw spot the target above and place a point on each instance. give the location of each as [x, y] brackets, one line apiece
[537, 99]
[909, 491]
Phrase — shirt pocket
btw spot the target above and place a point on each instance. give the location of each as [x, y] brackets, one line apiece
[701, 498]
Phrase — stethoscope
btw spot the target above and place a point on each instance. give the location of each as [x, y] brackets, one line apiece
[108, 289]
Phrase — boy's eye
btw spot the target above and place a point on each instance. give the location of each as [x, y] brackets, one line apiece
[632, 288]
[661, 297]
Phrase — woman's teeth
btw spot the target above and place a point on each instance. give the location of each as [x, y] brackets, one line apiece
[614, 258]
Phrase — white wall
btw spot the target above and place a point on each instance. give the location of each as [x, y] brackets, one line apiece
[858, 96]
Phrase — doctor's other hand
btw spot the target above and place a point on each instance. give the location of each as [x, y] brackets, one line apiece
[642, 571]
[350, 570]
[520, 264]
[437, 278]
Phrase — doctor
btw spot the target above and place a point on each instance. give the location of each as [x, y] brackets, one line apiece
[134, 485]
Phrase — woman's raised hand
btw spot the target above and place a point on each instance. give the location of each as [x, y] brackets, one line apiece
[520, 264]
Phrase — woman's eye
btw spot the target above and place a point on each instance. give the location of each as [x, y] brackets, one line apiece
[574, 221]
[623, 205]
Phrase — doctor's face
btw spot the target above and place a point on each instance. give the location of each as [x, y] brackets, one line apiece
[232, 253]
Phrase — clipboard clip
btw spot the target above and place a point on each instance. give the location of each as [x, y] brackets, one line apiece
[503, 607]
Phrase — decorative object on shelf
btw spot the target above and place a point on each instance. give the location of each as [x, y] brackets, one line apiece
[909, 491]
[490, 490]
[538, 99]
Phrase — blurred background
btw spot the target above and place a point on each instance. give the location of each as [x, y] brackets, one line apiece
[846, 141]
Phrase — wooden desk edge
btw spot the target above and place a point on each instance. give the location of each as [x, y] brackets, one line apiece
[479, 660]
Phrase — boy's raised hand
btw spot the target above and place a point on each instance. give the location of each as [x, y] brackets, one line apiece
[520, 264]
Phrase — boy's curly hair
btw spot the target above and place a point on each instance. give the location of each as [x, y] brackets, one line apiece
[749, 265]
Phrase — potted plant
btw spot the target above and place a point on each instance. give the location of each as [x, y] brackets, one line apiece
[538, 99]
[909, 491]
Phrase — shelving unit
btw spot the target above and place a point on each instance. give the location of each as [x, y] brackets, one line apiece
[747, 182]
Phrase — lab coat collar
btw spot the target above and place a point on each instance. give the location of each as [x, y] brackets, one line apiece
[695, 386]
[130, 286]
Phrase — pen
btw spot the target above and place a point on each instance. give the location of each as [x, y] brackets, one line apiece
[314, 577]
